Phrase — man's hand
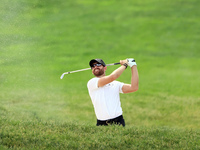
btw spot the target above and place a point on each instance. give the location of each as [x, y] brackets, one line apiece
[123, 61]
[131, 62]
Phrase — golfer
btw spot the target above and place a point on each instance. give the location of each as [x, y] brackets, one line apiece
[104, 90]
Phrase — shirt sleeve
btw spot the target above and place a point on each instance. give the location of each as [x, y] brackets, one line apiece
[120, 86]
[93, 84]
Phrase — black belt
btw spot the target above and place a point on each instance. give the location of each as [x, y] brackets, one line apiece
[118, 120]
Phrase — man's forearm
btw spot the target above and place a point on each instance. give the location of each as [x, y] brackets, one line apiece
[116, 73]
[134, 77]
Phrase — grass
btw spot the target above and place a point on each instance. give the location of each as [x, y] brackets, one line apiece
[42, 39]
[51, 135]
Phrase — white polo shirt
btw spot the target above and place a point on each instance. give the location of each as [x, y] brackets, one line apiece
[106, 99]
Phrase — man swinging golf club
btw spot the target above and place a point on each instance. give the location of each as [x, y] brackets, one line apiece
[104, 90]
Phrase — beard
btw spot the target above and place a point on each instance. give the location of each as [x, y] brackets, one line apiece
[98, 72]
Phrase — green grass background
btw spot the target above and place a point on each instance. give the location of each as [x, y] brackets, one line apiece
[39, 40]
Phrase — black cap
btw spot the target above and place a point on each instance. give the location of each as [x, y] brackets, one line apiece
[97, 60]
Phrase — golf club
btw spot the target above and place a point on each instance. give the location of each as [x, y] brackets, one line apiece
[84, 70]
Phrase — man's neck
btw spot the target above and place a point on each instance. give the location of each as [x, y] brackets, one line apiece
[101, 76]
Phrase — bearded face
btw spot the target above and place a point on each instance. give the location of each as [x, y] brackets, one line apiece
[98, 71]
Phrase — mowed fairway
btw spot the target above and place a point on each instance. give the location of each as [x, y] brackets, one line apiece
[39, 40]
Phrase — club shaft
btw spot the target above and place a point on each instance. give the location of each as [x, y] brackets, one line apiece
[84, 70]
[112, 64]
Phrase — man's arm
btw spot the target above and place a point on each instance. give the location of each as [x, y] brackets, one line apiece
[128, 88]
[114, 75]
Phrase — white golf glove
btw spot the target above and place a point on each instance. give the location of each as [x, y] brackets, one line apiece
[131, 62]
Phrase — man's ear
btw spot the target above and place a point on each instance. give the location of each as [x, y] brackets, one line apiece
[105, 68]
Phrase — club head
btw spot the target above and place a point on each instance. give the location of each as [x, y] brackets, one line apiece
[62, 76]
